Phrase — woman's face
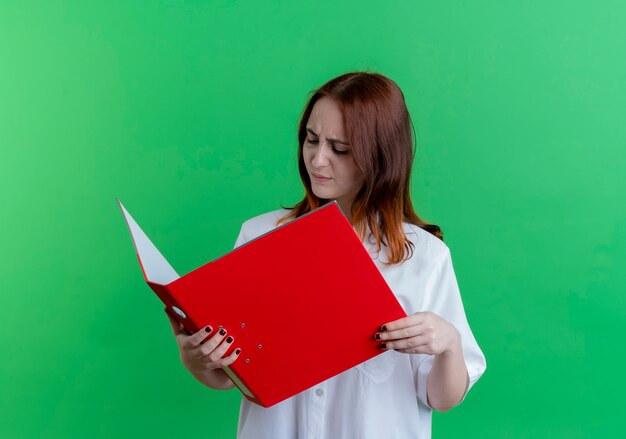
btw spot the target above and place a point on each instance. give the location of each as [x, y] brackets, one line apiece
[328, 158]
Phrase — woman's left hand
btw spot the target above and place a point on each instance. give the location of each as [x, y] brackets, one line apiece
[420, 333]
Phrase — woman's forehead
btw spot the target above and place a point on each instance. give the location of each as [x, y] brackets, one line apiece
[326, 116]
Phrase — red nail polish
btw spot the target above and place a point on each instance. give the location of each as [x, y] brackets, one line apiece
[377, 336]
[237, 351]
[383, 328]
[208, 329]
[383, 345]
[229, 339]
[222, 331]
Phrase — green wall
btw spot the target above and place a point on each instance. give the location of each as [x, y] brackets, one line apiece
[186, 111]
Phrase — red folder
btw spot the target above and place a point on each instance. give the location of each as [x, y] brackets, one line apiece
[302, 301]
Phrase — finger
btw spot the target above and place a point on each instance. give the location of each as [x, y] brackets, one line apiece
[424, 349]
[410, 331]
[406, 343]
[196, 339]
[209, 345]
[230, 359]
[404, 322]
[221, 349]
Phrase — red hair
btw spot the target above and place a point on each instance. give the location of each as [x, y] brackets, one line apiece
[379, 128]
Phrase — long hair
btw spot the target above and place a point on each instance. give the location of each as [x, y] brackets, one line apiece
[379, 128]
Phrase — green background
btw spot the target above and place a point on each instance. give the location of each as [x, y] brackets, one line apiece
[187, 111]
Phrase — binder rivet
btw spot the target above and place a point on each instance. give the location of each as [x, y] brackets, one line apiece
[243, 325]
[179, 311]
[247, 360]
[260, 346]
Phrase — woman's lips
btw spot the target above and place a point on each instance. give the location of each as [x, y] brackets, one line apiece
[320, 178]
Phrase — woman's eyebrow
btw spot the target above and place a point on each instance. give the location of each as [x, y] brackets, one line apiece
[328, 138]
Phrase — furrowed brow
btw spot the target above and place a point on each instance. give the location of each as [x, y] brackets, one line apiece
[331, 140]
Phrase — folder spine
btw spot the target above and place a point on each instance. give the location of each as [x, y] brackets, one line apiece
[236, 379]
[169, 300]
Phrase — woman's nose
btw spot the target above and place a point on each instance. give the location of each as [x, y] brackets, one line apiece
[320, 159]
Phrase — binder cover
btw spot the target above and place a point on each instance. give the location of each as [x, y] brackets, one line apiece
[302, 301]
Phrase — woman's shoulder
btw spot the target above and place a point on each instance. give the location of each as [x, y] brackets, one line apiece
[425, 242]
[263, 223]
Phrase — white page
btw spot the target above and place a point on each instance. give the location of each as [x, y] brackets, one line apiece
[156, 268]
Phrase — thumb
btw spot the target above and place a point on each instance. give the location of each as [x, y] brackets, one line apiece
[176, 327]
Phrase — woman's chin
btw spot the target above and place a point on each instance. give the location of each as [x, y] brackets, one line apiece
[323, 194]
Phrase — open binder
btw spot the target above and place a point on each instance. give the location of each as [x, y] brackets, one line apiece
[302, 301]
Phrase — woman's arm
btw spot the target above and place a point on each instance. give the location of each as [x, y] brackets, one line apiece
[427, 333]
[448, 379]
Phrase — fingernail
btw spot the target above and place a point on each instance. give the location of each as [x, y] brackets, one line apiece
[237, 351]
[383, 328]
[377, 336]
[222, 331]
[208, 329]
[229, 339]
[383, 345]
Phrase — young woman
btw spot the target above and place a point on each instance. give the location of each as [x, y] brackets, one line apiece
[356, 147]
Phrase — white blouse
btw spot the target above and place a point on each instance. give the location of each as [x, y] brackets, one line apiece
[385, 397]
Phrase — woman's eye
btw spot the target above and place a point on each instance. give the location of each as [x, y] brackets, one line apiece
[313, 141]
[340, 152]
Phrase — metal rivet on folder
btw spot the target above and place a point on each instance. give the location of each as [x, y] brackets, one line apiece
[260, 346]
[243, 325]
[179, 311]
[247, 360]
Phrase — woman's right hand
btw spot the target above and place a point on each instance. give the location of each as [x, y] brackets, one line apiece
[202, 354]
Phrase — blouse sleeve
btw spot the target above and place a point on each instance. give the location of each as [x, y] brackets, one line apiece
[444, 299]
